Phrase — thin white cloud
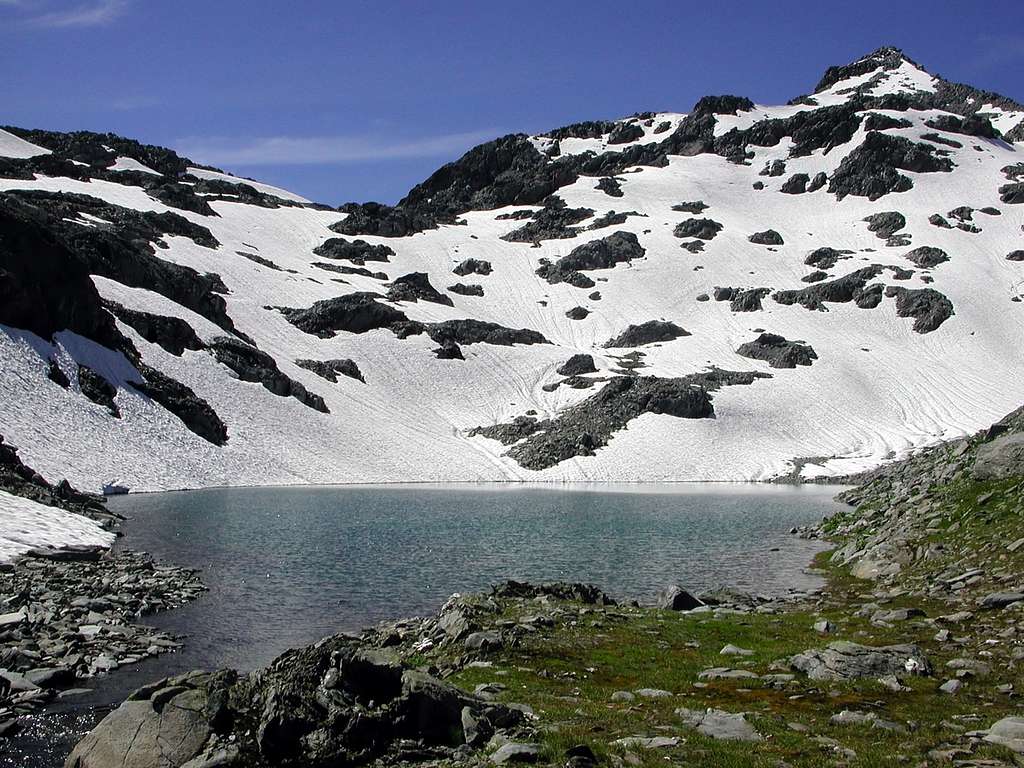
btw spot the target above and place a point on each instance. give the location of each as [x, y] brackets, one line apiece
[323, 150]
[94, 14]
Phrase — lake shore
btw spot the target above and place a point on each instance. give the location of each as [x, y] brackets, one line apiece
[910, 654]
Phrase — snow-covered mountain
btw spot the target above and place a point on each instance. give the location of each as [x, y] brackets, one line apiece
[733, 293]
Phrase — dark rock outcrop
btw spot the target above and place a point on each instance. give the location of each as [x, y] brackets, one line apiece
[473, 267]
[873, 169]
[610, 185]
[357, 251]
[795, 184]
[585, 427]
[555, 221]
[416, 287]
[473, 289]
[748, 300]
[355, 313]
[1015, 256]
[98, 389]
[926, 257]
[604, 253]
[481, 332]
[1013, 194]
[647, 333]
[195, 412]
[973, 125]
[449, 350]
[928, 307]
[337, 702]
[852, 287]
[702, 229]
[723, 105]
[251, 364]
[695, 206]
[825, 258]
[577, 313]
[623, 133]
[344, 269]
[777, 351]
[768, 237]
[330, 369]
[886, 224]
[577, 365]
[172, 333]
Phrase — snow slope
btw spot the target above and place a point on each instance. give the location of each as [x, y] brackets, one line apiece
[878, 388]
[28, 524]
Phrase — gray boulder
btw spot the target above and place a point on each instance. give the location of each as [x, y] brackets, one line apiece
[1000, 458]
[718, 724]
[675, 598]
[843, 660]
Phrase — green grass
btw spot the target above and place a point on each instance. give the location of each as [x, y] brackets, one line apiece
[568, 673]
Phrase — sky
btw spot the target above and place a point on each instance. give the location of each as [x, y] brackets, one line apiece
[356, 100]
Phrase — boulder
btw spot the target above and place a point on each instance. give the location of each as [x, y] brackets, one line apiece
[675, 598]
[718, 724]
[844, 660]
[1000, 458]
[768, 237]
[577, 365]
[1008, 732]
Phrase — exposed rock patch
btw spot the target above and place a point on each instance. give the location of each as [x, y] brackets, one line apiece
[416, 287]
[254, 365]
[647, 333]
[702, 229]
[928, 307]
[604, 253]
[357, 251]
[777, 351]
[768, 237]
[330, 369]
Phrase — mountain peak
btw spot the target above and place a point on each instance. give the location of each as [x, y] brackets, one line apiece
[875, 68]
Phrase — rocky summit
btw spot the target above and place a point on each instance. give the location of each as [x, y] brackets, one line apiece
[844, 268]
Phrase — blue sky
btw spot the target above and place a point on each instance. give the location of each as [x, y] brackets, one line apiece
[360, 100]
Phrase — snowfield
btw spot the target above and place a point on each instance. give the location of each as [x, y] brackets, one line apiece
[28, 524]
[877, 390]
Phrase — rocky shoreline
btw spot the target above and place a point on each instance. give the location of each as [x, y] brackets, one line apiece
[71, 615]
[912, 653]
